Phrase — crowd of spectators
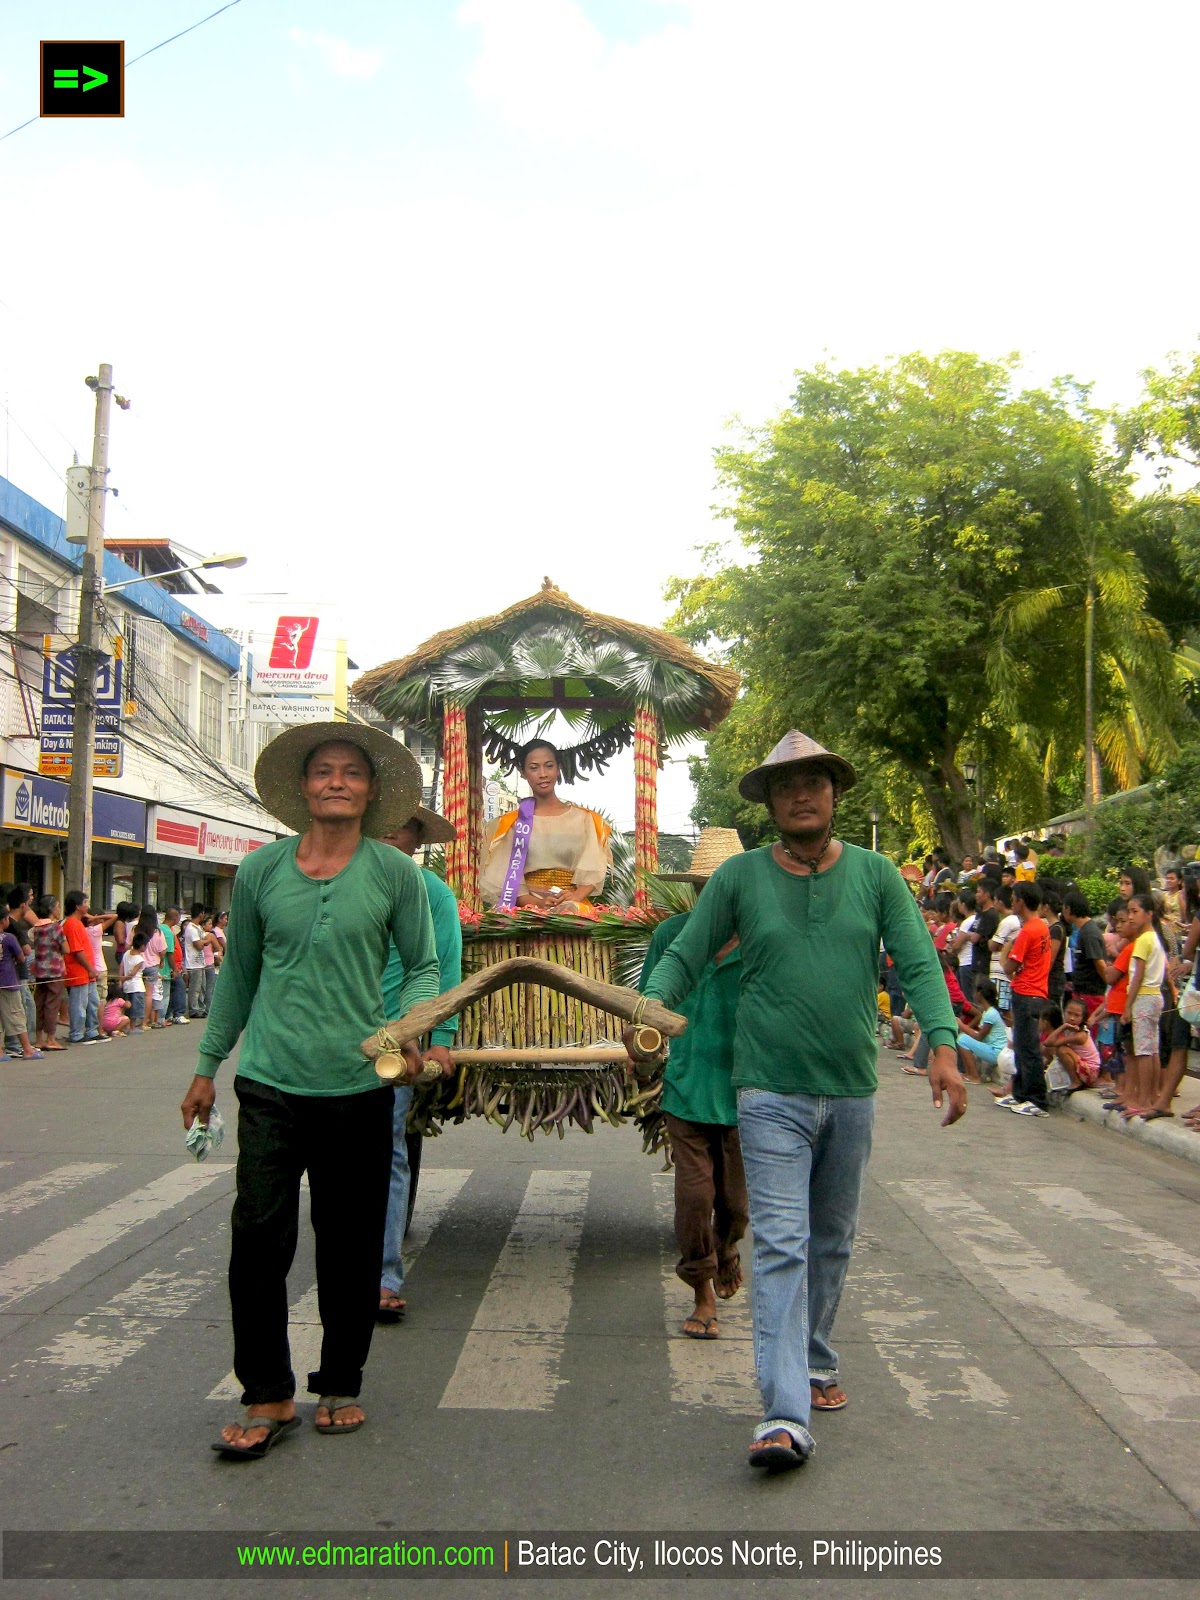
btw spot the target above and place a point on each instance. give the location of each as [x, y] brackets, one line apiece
[1052, 1000]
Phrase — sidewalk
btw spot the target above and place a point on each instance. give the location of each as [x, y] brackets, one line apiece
[1166, 1134]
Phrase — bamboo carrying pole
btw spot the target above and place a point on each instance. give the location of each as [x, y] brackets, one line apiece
[609, 997]
[537, 1056]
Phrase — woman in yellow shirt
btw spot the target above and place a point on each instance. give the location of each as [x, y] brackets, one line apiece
[548, 855]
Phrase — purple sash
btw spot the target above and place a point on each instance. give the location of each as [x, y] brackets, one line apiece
[522, 830]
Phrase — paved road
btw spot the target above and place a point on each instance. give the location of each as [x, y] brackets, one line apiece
[1019, 1338]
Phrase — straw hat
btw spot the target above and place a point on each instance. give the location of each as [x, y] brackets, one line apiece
[713, 846]
[793, 750]
[280, 769]
[435, 828]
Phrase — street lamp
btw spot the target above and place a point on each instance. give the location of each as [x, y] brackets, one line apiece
[969, 769]
[232, 560]
[874, 827]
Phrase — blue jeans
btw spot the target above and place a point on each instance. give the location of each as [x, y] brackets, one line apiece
[178, 1003]
[805, 1158]
[83, 1008]
[392, 1277]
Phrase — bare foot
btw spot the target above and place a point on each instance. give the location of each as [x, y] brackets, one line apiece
[242, 1437]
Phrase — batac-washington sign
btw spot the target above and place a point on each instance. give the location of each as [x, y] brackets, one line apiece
[183, 833]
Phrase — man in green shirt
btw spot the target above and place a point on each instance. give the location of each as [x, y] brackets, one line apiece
[310, 928]
[701, 1108]
[425, 827]
[810, 912]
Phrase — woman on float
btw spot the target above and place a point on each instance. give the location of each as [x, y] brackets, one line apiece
[548, 855]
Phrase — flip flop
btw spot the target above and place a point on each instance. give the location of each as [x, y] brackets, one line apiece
[778, 1457]
[255, 1452]
[1154, 1114]
[823, 1389]
[393, 1312]
[913, 1072]
[730, 1280]
[332, 1403]
[705, 1323]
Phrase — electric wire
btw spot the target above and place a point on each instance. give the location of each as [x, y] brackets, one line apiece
[133, 61]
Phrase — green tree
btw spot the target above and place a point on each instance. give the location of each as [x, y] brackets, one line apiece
[885, 517]
[1098, 615]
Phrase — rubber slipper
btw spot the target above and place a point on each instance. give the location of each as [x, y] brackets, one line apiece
[705, 1323]
[778, 1457]
[1155, 1114]
[255, 1452]
[823, 1389]
[391, 1313]
[728, 1283]
[913, 1072]
[332, 1403]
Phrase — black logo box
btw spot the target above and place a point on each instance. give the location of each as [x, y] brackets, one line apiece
[72, 55]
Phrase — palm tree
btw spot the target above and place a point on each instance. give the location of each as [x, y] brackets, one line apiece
[1130, 675]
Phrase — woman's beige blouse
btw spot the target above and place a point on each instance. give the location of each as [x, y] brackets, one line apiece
[568, 842]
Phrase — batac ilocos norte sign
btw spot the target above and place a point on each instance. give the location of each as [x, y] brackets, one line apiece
[184, 833]
[35, 804]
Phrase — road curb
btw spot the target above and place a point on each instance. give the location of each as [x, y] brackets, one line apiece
[1163, 1134]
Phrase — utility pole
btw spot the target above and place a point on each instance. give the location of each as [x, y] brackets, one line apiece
[79, 827]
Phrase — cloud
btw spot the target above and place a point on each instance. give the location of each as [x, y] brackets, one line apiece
[344, 60]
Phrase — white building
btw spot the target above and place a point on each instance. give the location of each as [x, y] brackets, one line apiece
[173, 825]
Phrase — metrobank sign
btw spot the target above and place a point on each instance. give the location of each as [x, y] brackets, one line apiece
[33, 804]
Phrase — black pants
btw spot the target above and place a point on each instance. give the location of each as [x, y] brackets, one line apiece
[1029, 1082]
[344, 1142]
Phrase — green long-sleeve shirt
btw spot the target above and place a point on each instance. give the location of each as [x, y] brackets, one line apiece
[810, 968]
[447, 936]
[303, 965]
[697, 1082]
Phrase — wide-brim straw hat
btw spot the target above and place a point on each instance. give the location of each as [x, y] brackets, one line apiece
[280, 770]
[712, 847]
[435, 828]
[793, 750]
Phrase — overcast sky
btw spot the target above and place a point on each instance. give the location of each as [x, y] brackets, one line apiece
[418, 302]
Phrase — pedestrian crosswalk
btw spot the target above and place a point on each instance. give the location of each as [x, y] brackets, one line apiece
[512, 1356]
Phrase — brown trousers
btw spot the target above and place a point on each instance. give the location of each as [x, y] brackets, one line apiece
[711, 1206]
[47, 997]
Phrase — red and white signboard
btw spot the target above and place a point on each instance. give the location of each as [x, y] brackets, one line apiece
[184, 833]
[294, 652]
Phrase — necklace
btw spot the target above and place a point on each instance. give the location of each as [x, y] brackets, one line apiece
[811, 862]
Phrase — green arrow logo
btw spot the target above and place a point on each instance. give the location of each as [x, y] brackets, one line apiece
[95, 78]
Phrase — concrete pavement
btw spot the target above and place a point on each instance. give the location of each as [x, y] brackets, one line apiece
[1018, 1337]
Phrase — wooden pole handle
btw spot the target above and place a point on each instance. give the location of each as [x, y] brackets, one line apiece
[426, 1015]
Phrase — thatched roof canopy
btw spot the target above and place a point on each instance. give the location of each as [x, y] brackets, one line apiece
[547, 656]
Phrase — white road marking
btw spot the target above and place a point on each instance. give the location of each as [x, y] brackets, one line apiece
[438, 1189]
[100, 1341]
[928, 1366]
[63, 1251]
[1021, 1268]
[60, 1181]
[511, 1355]
[1172, 1263]
[704, 1372]
[1153, 1383]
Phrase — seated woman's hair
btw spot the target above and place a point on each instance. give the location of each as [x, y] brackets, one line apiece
[986, 990]
[526, 750]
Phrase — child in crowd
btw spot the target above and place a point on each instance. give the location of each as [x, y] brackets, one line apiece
[114, 1020]
[1106, 1024]
[983, 1035]
[1144, 1000]
[49, 947]
[1069, 1044]
[133, 981]
[12, 1006]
